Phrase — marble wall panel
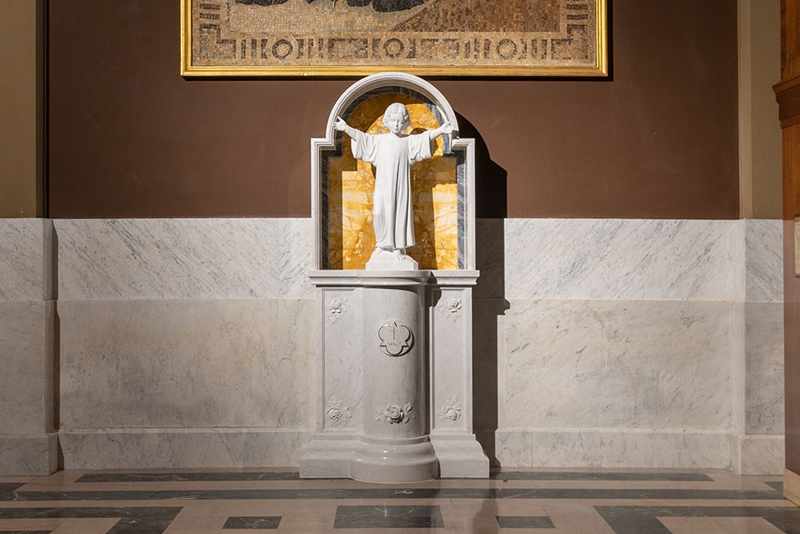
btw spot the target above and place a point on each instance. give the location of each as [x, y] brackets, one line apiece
[186, 363]
[617, 364]
[22, 259]
[763, 377]
[24, 376]
[183, 258]
[764, 260]
[624, 259]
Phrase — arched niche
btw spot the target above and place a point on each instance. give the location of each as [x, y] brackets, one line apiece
[442, 187]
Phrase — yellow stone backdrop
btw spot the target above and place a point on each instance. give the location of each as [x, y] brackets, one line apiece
[351, 237]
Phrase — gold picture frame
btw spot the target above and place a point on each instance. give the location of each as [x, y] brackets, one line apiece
[254, 38]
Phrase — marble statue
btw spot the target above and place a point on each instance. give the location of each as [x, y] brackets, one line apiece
[392, 154]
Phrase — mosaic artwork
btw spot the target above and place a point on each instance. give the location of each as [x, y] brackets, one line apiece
[336, 37]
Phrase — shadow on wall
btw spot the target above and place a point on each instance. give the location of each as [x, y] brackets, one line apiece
[489, 304]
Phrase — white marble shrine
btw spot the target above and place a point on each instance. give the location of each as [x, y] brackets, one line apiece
[394, 383]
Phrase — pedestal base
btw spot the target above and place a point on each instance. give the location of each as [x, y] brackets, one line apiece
[460, 456]
[371, 460]
[383, 260]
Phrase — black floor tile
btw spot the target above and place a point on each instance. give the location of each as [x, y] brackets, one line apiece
[8, 491]
[610, 476]
[644, 519]
[252, 522]
[777, 486]
[521, 521]
[133, 520]
[189, 477]
[388, 516]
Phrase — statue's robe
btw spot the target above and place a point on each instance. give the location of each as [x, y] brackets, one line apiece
[392, 157]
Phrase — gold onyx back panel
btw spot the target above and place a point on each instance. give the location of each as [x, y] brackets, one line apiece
[434, 190]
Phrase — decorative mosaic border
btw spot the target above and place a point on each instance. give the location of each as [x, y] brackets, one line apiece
[423, 37]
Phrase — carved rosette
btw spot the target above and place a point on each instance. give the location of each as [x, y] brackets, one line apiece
[337, 307]
[336, 412]
[394, 414]
[396, 339]
[451, 411]
[451, 308]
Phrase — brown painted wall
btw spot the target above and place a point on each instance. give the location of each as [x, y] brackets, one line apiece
[21, 107]
[130, 138]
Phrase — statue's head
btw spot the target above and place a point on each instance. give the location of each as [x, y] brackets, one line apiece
[396, 118]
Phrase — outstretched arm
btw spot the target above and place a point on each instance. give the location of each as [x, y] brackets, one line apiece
[445, 128]
[342, 126]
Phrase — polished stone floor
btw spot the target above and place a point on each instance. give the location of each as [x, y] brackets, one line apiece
[276, 500]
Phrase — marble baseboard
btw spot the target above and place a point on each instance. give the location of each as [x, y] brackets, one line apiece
[612, 448]
[758, 455]
[31, 454]
[187, 363]
[168, 448]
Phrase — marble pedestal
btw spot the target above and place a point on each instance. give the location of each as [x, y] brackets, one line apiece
[395, 377]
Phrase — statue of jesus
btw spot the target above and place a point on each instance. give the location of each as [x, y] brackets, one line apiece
[392, 154]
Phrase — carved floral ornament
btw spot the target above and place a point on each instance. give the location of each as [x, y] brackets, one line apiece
[393, 414]
[451, 308]
[337, 307]
[336, 412]
[451, 411]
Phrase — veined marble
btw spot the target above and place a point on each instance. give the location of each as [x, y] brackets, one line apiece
[613, 448]
[28, 454]
[181, 448]
[25, 379]
[187, 364]
[764, 260]
[184, 258]
[763, 368]
[632, 364]
[758, 455]
[614, 259]
[24, 267]
[660, 338]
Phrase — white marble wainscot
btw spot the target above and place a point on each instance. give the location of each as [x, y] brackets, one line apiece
[184, 258]
[624, 259]
[185, 371]
[636, 343]
[185, 343]
[28, 444]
